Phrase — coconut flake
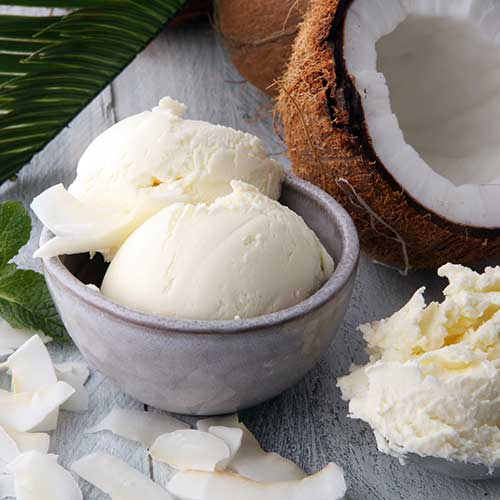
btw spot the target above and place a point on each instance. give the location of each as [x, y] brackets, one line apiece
[30, 441]
[31, 369]
[13, 443]
[191, 449]
[30, 366]
[75, 374]
[38, 476]
[141, 426]
[7, 489]
[252, 461]
[8, 449]
[232, 436]
[329, 484]
[117, 479]
[224, 421]
[25, 411]
[13, 338]
[79, 227]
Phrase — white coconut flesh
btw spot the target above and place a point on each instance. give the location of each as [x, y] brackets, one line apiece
[428, 75]
[328, 484]
[191, 450]
[117, 479]
[141, 426]
[39, 477]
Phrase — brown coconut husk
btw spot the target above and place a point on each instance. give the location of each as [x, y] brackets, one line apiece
[259, 35]
[329, 146]
[193, 11]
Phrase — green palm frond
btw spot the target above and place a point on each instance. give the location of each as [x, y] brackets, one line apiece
[52, 67]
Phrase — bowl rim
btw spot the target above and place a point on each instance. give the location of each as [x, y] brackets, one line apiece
[344, 269]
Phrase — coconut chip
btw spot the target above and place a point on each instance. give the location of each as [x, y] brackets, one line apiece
[75, 374]
[38, 476]
[141, 426]
[8, 450]
[191, 449]
[25, 411]
[30, 366]
[13, 338]
[329, 484]
[7, 488]
[252, 461]
[30, 441]
[233, 437]
[224, 421]
[32, 369]
[78, 227]
[117, 479]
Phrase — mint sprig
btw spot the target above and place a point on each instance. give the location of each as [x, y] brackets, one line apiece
[25, 301]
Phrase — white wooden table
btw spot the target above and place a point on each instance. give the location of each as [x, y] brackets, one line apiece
[308, 423]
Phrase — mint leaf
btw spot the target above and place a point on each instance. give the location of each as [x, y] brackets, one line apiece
[25, 302]
[15, 229]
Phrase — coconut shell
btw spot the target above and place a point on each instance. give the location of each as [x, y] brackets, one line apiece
[259, 35]
[329, 146]
[193, 11]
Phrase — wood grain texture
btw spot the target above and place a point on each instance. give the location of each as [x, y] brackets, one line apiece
[308, 423]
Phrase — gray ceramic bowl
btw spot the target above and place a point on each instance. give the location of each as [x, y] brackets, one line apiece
[210, 367]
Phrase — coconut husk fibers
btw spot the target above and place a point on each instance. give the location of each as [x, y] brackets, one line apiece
[329, 146]
[259, 35]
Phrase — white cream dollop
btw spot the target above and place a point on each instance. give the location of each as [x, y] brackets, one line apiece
[432, 385]
[243, 255]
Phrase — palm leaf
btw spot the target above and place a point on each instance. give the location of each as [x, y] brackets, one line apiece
[52, 67]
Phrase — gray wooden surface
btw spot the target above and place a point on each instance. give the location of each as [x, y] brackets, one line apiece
[308, 423]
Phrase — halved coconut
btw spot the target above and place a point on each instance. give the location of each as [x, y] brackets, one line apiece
[259, 36]
[191, 449]
[141, 426]
[392, 107]
[329, 484]
[118, 479]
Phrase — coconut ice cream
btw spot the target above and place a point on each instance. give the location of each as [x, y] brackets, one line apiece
[143, 164]
[241, 256]
[432, 385]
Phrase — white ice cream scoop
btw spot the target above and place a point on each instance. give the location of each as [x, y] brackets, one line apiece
[143, 164]
[242, 256]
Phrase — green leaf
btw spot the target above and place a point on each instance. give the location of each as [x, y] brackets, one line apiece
[15, 229]
[25, 302]
[51, 67]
